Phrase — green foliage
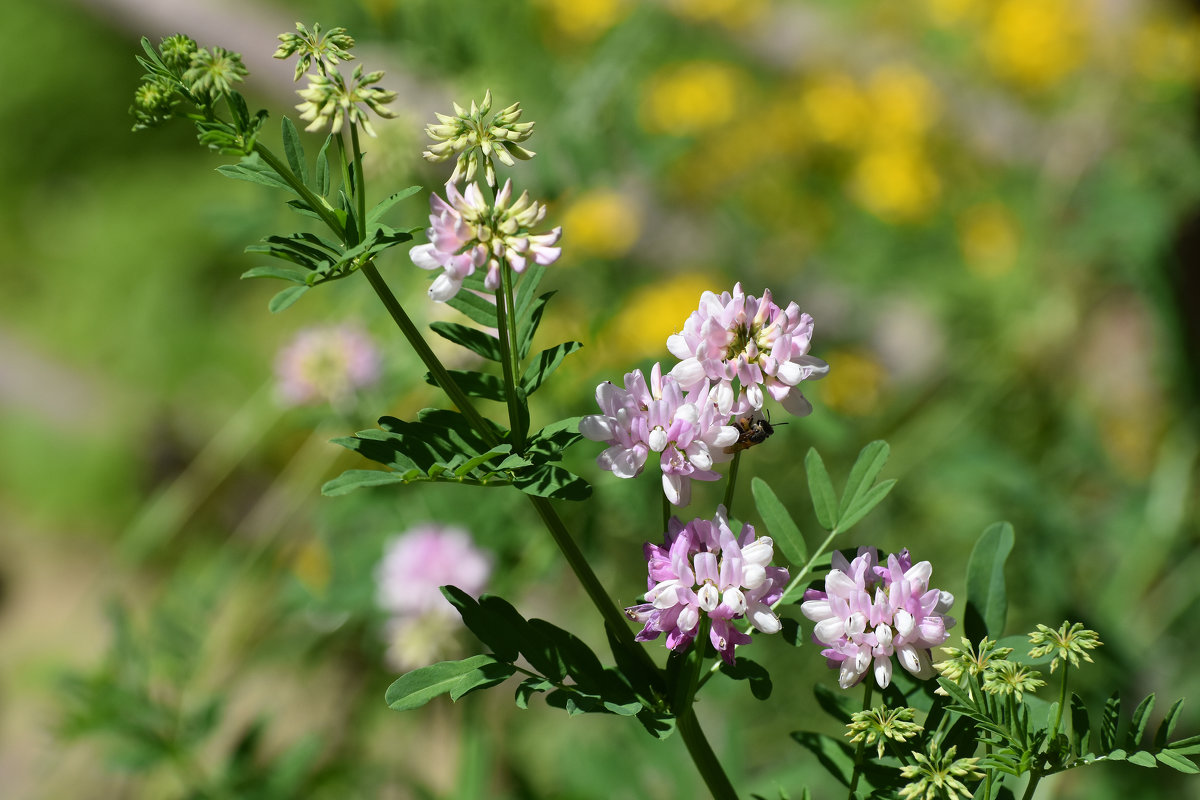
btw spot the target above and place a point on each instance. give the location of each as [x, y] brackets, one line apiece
[779, 523]
[861, 493]
[987, 598]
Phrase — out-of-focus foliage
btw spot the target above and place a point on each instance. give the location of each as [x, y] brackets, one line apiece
[987, 205]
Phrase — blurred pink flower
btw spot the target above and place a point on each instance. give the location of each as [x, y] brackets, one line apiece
[466, 232]
[408, 579]
[326, 364]
[868, 613]
[656, 417]
[740, 337]
[704, 568]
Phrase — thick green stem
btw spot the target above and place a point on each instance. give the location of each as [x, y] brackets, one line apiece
[1062, 702]
[506, 329]
[868, 687]
[704, 758]
[731, 483]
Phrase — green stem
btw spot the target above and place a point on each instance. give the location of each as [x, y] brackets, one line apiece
[360, 194]
[1034, 778]
[666, 509]
[704, 758]
[317, 204]
[1062, 702]
[506, 328]
[868, 687]
[731, 483]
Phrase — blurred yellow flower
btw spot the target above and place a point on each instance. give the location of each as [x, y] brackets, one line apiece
[1167, 50]
[649, 315]
[585, 20]
[835, 108]
[895, 182]
[854, 384]
[690, 97]
[730, 13]
[311, 567]
[946, 13]
[602, 223]
[903, 103]
[1036, 43]
[988, 238]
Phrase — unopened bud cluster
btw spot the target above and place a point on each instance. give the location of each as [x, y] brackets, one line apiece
[323, 49]
[329, 98]
[183, 70]
[475, 139]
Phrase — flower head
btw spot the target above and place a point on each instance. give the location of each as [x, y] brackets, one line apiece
[655, 416]
[1008, 677]
[875, 726]
[1069, 643]
[154, 102]
[868, 613]
[751, 341]
[328, 97]
[939, 776]
[177, 51]
[212, 73]
[702, 568]
[326, 364]
[466, 232]
[407, 579]
[967, 660]
[475, 138]
[325, 49]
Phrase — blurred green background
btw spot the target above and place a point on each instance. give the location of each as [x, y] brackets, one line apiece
[990, 207]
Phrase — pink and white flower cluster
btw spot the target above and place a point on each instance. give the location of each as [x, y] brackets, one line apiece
[742, 338]
[407, 580]
[656, 417]
[466, 232]
[327, 364]
[868, 613]
[704, 569]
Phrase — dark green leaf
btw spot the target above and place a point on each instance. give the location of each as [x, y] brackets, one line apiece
[987, 598]
[284, 299]
[1176, 761]
[526, 288]
[1081, 724]
[549, 443]
[528, 688]
[483, 677]
[480, 308]
[836, 704]
[549, 480]
[293, 274]
[1163, 734]
[293, 148]
[746, 670]
[493, 620]
[862, 475]
[836, 757]
[527, 327]
[1137, 725]
[383, 205]
[475, 384]
[547, 361]
[420, 686]
[321, 172]
[660, 726]
[779, 523]
[1188, 745]
[353, 479]
[577, 659]
[863, 505]
[1109, 722]
[821, 489]
[473, 339]
[479, 460]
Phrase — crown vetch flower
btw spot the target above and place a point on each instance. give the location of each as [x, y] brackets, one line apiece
[407, 583]
[474, 139]
[466, 232]
[868, 613]
[328, 97]
[687, 431]
[739, 337]
[326, 363]
[702, 568]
